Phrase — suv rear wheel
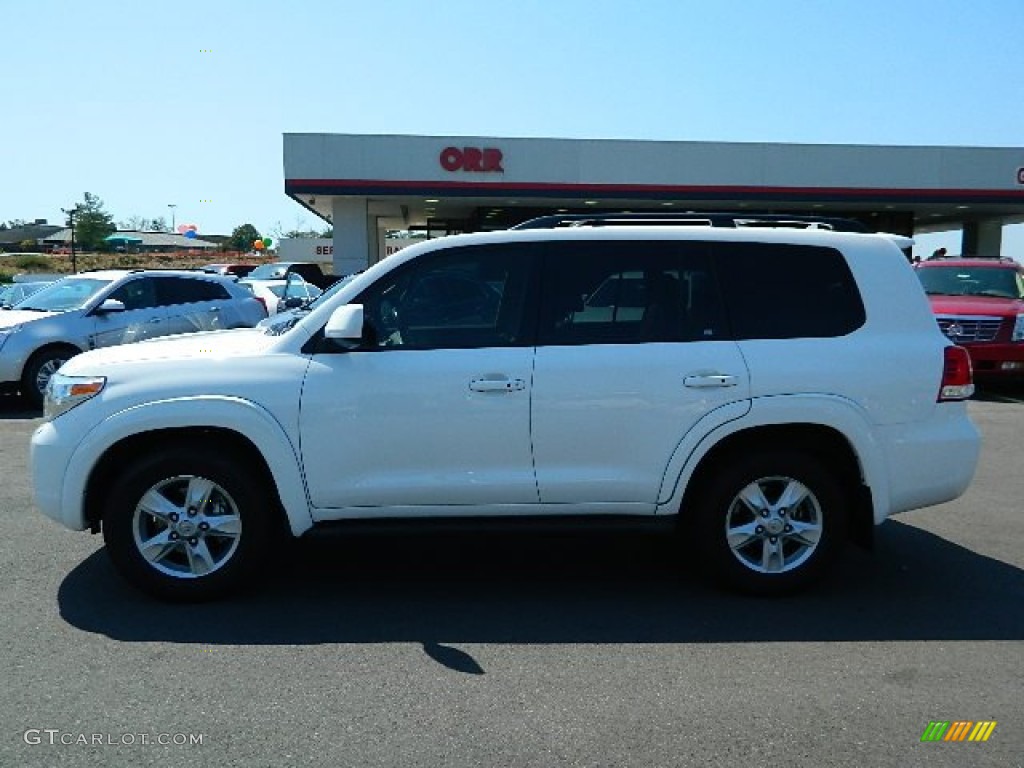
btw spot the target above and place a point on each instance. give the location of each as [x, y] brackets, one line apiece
[186, 523]
[770, 523]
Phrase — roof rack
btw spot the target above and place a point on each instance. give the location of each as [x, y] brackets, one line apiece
[693, 219]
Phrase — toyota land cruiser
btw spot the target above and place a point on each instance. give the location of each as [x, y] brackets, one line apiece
[769, 392]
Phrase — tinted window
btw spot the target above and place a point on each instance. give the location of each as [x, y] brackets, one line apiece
[474, 296]
[184, 290]
[139, 293]
[628, 292]
[787, 291]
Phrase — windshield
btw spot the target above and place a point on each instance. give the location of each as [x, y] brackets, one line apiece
[64, 295]
[274, 271]
[972, 281]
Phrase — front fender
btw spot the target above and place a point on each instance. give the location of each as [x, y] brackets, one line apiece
[840, 414]
[244, 417]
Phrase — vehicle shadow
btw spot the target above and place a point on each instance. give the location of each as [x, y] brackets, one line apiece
[999, 392]
[12, 406]
[592, 589]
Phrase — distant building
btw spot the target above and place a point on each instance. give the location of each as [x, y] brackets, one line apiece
[16, 239]
[150, 242]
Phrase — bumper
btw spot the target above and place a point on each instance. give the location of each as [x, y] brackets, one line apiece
[997, 361]
[931, 462]
[49, 458]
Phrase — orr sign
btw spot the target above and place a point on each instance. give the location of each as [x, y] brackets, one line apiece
[471, 160]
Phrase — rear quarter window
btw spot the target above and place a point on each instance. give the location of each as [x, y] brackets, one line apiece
[779, 291]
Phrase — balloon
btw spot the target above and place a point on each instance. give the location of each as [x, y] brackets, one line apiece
[191, 234]
[182, 229]
[258, 245]
[267, 241]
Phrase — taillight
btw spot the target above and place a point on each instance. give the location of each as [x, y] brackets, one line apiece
[263, 301]
[957, 375]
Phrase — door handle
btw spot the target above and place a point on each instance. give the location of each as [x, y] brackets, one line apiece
[709, 380]
[215, 309]
[503, 384]
[156, 319]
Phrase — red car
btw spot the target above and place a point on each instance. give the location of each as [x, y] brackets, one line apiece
[979, 304]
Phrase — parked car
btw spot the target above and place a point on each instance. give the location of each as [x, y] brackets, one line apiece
[979, 305]
[13, 293]
[237, 270]
[104, 308]
[277, 295]
[285, 318]
[309, 271]
[766, 394]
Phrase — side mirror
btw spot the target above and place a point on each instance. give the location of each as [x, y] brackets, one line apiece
[110, 305]
[345, 323]
[292, 302]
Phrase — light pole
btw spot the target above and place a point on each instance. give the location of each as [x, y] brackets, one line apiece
[71, 220]
[172, 206]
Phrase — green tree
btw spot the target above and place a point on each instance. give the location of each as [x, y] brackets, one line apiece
[243, 236]
[92, 223]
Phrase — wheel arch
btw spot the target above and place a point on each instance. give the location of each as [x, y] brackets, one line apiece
[50, 346]
[844, 441]
[238, 426]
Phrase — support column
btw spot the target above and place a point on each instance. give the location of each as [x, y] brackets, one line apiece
[982, 238]
[352, 241]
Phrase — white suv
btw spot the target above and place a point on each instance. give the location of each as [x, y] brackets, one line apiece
[768, 393]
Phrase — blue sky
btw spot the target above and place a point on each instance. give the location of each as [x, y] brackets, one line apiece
[120, 98]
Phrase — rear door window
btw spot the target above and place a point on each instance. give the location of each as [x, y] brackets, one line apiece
[184, 290]
[628, 292]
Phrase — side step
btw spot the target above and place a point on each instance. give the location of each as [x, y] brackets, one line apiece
[534, 524]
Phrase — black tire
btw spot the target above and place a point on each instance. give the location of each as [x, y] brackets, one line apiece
[764, 564]
[38, 371]
[236, 504]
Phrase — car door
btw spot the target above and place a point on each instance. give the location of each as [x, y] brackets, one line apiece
[632, 352]
[431, 413]
[143, 316]
[194, 304]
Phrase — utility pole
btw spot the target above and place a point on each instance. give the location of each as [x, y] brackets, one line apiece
[71, 221]
[172, 206]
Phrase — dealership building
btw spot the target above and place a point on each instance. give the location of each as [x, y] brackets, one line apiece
[369, 185]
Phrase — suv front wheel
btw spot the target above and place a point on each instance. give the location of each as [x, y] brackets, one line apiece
[186, 523]
[769, 523]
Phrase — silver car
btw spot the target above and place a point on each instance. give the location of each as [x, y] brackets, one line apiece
[104, 308]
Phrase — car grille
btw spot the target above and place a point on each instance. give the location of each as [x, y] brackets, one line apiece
[967, 329]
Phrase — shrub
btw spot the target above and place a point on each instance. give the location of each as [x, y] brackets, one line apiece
[32, 261]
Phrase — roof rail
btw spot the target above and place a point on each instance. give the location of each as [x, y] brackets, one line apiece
[693, 219]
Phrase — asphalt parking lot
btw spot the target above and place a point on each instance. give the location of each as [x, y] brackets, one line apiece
[468, 651]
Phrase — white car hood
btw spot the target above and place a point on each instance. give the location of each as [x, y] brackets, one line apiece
[212, 345]
[18, 316]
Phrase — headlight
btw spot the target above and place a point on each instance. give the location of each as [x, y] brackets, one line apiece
[1018, 329]
[65, 392]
